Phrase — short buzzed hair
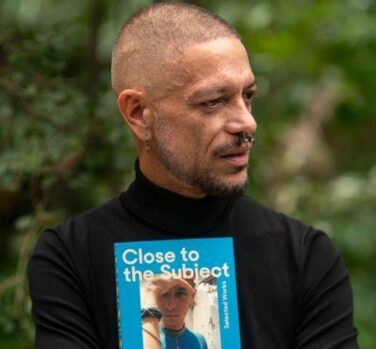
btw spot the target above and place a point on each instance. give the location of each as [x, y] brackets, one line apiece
[155, 36]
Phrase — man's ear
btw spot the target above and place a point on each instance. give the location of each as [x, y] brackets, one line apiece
[132, 108]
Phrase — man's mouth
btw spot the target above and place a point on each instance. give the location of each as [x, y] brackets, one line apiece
[172, 315]
[236, 158]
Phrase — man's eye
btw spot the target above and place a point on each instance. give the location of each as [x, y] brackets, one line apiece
[247, 96]
[181, 294]
[214, 102]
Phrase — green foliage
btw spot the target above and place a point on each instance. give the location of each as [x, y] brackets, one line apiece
[64, 147]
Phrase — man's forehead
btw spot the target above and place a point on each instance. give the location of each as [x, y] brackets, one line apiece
[218, 64]
[177, 288]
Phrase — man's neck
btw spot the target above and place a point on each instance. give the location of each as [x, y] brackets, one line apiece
[175, 332]
[157, 173]
[171, 212]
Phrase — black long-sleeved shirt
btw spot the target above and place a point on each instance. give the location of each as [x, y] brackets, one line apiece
[293, 288]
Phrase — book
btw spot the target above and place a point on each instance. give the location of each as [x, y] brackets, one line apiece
[193, 284]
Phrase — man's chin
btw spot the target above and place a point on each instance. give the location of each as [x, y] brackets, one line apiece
[174, 326]
[223, 187]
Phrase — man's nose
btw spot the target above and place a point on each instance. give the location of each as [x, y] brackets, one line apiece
[171, 303]
[241, 120]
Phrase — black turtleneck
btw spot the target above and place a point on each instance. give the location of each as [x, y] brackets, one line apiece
[293, 288]
[172, 212]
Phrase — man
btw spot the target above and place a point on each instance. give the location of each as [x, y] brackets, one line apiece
[184, 87]
[173, 297]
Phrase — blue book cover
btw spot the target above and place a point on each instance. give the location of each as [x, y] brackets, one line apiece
[177, 294]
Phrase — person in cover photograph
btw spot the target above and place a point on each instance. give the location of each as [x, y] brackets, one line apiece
[166, 302]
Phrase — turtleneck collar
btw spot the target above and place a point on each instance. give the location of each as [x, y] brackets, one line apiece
[172, 212]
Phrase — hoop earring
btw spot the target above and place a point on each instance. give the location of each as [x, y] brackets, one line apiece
[147, 145]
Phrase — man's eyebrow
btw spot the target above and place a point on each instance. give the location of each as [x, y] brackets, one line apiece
[252, 84]
[208, 92]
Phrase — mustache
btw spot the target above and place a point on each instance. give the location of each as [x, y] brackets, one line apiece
[231, 147]
[244, 142]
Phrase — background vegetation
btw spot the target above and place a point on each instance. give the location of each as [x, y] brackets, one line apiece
[64, 148]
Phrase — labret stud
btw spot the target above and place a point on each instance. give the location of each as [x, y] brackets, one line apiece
[247, 139]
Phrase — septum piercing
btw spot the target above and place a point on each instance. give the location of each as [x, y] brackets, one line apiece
[247, 139]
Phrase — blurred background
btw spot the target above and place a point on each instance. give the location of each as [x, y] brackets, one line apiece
[65, 149]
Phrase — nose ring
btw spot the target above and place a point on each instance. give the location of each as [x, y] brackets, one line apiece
[246, 139]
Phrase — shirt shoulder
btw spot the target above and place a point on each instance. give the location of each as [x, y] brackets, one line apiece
[263, 222]
[286, 238]
[94, 224]
[81, 239]
[194, 339]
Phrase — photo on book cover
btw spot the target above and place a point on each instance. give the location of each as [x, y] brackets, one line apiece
[189, 309]
[177, 294]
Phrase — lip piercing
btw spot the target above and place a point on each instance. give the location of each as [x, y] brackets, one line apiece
[247, 139]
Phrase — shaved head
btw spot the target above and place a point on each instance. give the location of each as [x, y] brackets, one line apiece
[155, 38]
